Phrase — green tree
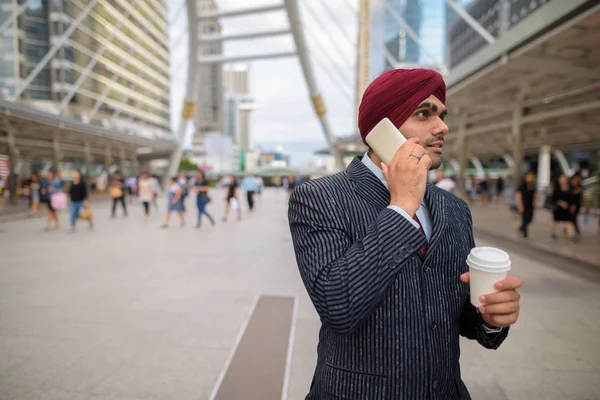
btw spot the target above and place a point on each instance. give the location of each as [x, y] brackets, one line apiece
[187, 165]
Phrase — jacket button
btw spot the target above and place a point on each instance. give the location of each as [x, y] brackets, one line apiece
[426, 268]
[391, 264]
[432, 326]
[398, 258]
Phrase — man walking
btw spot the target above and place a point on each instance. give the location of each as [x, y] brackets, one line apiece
[382, 256]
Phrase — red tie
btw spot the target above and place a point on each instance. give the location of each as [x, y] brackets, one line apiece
[423, 249]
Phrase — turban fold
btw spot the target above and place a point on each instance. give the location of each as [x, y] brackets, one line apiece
[396, 94]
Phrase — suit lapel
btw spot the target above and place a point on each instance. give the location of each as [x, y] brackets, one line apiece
[370, 188]
[436, 203]
[367, 185]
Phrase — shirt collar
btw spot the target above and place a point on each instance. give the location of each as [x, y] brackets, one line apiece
[366, 160]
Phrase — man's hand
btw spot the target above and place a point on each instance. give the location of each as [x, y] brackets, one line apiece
[500, 309]
[406, 176]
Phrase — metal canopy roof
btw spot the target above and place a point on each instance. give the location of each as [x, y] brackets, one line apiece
[34, 132]
[555, 74]
[551, 60]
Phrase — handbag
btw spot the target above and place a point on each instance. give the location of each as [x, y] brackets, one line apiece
[86, 214]
[115, 192]
[58, 200]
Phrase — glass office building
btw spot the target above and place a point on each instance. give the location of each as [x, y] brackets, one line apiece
[120, 46]
[426, 18]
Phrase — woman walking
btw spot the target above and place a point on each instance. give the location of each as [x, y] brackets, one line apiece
[175, 202]
[526, 199]
[578, 201]
[231, 199]
[201, 187]
[35, 195]
[79, 200]
[146, 192]
[51, 186]
[562, 200]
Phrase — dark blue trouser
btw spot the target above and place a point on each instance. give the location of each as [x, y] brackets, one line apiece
[201, 204]
[76, 207]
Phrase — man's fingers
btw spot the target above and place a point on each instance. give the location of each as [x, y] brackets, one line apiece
[504, 296]
[501, 321]
[465, 277]
[406, 149]
[500, 309]
[384, 169]
[425, 161]
[512, 282]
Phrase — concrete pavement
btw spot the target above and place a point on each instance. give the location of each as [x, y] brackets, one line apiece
[130, 311]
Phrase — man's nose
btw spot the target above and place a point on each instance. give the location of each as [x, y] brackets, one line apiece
[441, 128]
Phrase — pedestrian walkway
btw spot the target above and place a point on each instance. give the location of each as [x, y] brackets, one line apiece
[131, 312]
[498, 220]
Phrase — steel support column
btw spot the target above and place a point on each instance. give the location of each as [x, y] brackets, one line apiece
[192, 89]
[13, 180]
[543, 172]
[107, 159]
[517, 134]
[56, 156]
[122, 159]
[293, 13]
[478, 167]
[87, 162]
[562, 161]
[463, 157]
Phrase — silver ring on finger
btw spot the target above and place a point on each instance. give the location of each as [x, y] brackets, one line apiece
[416, 156]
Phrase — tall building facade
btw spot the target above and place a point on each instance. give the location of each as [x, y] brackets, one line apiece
[425, 18]
[240, 104]
[397, 40]
[209, 117]
[119, 50]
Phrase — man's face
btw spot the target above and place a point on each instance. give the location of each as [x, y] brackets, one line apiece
[427, 124]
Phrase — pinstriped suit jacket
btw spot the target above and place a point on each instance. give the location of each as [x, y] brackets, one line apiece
[391, 319]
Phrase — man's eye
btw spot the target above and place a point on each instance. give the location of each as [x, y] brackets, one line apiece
[423, 114]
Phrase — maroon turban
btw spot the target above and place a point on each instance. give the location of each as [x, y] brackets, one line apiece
[396, 94]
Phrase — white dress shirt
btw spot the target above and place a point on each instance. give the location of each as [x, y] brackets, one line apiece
[422, 212]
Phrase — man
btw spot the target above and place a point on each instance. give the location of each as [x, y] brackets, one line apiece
[117, 193]
[250, 185]
[382, 255]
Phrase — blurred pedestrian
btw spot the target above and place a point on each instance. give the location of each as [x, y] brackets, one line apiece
[146, 193]
[201, 187]
[175, 202]
[562, 202]
[35, 194]
[53, 185]
[250, 185]
[79, 201]
[231, 199]
[526, 198]
[117, 193]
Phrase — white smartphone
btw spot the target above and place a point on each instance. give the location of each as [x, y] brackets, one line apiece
[385, 140]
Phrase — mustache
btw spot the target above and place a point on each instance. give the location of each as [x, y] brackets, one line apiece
[428, 142]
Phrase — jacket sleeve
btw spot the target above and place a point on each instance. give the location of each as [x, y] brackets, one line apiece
[471, 322]
[346, 278]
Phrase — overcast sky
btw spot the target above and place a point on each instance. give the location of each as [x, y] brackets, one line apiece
[284, 112]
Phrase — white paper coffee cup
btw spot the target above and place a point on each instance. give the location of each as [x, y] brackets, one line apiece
[487, 266]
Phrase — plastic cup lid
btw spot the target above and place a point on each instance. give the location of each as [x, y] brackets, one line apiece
[489, 259]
